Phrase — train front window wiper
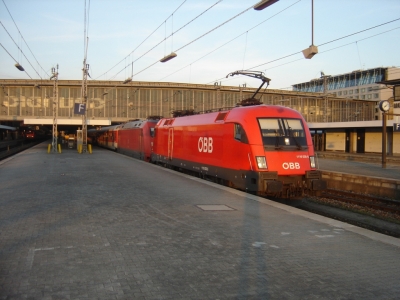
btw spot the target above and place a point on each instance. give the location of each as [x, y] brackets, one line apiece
[294, 138]
[277, 146]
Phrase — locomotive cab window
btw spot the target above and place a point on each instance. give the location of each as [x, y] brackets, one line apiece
[282, 134]
[240, 134]
[152, 132]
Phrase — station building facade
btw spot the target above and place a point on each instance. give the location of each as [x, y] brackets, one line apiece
[361, 136]
[33, 102]
[358, 84]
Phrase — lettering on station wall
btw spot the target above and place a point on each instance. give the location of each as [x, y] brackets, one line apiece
[38, 102]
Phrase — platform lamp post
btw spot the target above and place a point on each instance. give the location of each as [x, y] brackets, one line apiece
[84, 98]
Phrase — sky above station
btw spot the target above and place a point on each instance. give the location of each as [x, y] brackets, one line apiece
[212, 38]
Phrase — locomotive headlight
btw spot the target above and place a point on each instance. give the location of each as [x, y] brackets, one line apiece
[261, 162]
[312, 162]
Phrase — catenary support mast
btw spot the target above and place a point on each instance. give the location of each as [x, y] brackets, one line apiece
[84, 102]
[55, 108]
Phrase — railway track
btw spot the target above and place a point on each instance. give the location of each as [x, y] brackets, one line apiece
[10, 148]
[366, 211]
[368, 201]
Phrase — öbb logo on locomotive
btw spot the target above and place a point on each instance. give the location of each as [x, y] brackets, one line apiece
[291, 165]
[205, 144]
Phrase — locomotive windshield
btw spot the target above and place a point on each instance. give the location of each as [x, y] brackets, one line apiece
[282, 134]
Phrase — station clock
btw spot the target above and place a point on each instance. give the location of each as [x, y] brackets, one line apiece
[384, 105]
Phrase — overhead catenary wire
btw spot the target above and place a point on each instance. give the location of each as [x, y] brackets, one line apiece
[143, 42]
[25, 41]
[130, 53]
[8, 53]
[177, 64]
[321, 52]
[19, 50]
[208, 32]
[165, 39]
[13, 58]
[334, 40]
[231, 40]
[341, 46]
[358, 32]
[337, 39]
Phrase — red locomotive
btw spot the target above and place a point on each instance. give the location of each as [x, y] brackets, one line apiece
[263, 149]
[136, 138]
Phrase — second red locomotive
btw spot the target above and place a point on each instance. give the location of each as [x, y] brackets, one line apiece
[136, 138]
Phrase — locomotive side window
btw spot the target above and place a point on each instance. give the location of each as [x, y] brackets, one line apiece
[282, 134]
[240, 134]
[152, 132]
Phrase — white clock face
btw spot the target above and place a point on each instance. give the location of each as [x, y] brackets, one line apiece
[385, 105]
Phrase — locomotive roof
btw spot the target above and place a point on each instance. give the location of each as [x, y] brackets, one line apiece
[138, 123]
[234, 115]
[113, 127]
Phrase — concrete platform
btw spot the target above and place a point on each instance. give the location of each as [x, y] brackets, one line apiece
[106, 226]
[361, 173]
[375, 158]
[360, 164]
